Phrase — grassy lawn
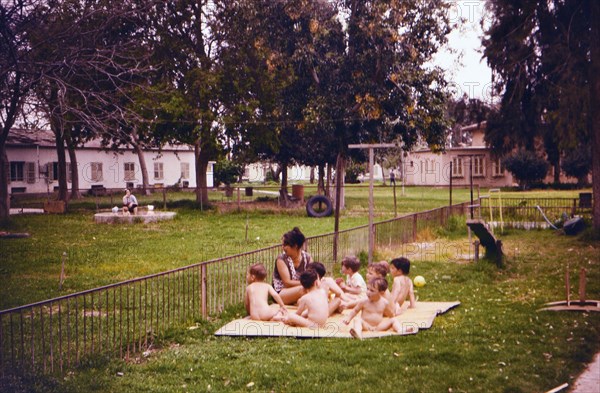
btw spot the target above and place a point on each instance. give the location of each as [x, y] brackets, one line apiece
[100, 254]
[495, 341]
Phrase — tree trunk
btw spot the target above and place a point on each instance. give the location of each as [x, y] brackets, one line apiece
[328, 184]
[283, 192]
[142, 160]
[321, 181]
[557, 172]
[595, 108]
[75, 191]
[63, 189]
[312, 175]
[339, 181]
[4, 176]
[201, 166]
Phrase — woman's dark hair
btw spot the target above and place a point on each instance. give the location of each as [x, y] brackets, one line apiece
[294, 238]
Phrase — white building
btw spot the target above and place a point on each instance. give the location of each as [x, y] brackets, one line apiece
[34, 165]
[425, 168]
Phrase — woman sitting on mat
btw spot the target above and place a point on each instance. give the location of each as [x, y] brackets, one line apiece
[289, 265]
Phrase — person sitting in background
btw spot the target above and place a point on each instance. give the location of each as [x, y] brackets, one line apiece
[130, 202]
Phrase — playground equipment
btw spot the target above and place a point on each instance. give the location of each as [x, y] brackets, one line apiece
[569, 305]
[496, 191]
[493, 247]
[546, 218]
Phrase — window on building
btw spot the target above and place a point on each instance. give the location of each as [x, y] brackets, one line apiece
[97, 172]
[478, 166]
[158, 170]
[497, 169]
[185, 170]
[457, 167]
[129, 169]
[30, 172]
[51, 171]
[17, 171]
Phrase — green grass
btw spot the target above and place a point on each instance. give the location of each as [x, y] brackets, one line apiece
[100, 254]
[495, 341]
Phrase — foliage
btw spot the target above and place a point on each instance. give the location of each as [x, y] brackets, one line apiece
[526, 167]
[227, 172]
[545, 56]
[578, 163]
[353, 171]
[464, 112]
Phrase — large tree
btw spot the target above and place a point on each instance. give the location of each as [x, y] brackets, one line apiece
[17, 77]
[545, 58]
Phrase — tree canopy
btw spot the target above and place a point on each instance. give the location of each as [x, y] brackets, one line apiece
[545, 57]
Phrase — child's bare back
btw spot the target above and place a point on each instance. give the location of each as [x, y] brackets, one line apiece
[257, 294]
[313, 307]
[256, 298]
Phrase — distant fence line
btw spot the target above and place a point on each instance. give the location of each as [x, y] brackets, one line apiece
[123, 319]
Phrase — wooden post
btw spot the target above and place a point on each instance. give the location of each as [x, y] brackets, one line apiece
[395, 209]
[239, 206]
[371, 148]
[471, 182]
[499, 253]
[568, 286]
[582, 282]
[164, 192]
[371, 203]
[203, 291]
[476, 251]
[62, 270]
[450, 188]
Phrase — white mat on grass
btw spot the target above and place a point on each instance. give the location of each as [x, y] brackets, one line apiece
[411, 320]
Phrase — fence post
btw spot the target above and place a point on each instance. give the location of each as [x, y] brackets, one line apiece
[203, 290]
[476, 251]
[164, 192]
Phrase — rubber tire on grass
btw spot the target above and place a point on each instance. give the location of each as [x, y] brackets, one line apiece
[319, 199]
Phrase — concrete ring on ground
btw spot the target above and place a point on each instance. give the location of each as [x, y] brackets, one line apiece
[142, 216]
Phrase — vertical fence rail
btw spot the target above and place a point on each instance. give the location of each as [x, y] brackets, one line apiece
[124, 318]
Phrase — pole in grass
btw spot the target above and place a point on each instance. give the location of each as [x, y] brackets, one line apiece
[62, 270]
[371, 147]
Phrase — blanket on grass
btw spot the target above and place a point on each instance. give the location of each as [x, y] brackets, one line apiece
[411, 319]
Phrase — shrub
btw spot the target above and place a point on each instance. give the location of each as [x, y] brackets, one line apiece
[227, 172]
[352, 172]
[578, 164]
[526, 167]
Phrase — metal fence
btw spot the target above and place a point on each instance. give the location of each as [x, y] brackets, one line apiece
[122, 319]
[530, 209]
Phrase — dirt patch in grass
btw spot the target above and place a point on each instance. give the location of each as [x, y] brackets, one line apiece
[261, 206]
